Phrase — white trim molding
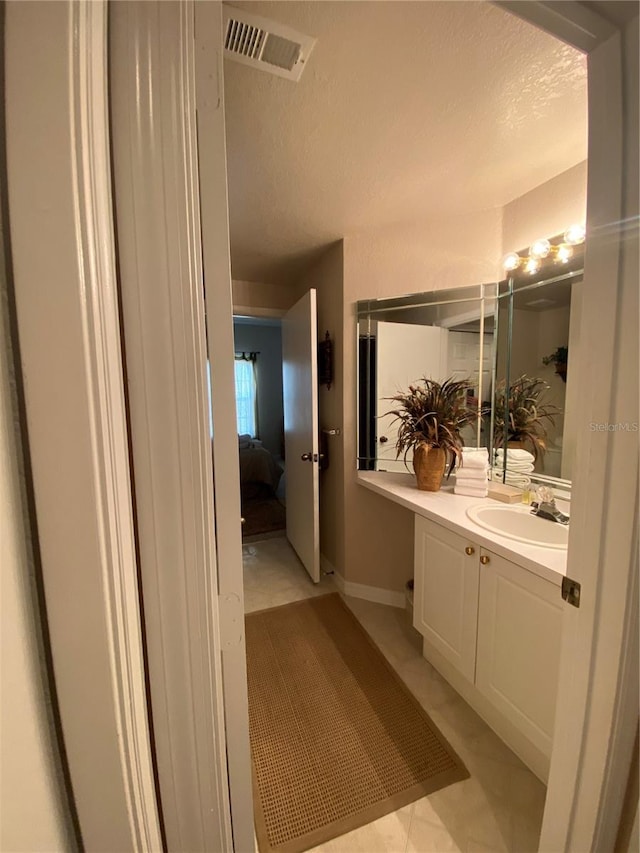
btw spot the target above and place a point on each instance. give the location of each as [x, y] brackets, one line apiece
[572, 22]
[155, 164]
[209, 73]
[104, 377]
[598, 686]
[376, 594]
[69, 327]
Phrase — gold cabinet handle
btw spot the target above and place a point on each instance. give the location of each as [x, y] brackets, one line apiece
[469, 550]
[484, 559]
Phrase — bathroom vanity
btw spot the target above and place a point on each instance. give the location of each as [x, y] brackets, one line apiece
[489, 609]
[487, 585]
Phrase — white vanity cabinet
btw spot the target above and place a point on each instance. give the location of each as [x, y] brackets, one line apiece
[492, 628]
[518, 648]
[445, 593]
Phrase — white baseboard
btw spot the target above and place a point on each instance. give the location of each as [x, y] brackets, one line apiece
[360, 590]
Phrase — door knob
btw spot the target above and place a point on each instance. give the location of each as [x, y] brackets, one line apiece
[307, 457]
[484, 560]
[469, 550]
[383, 439]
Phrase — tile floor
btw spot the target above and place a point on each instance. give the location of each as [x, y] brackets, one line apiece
[498, 809]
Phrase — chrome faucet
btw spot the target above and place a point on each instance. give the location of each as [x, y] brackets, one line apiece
[545, 507]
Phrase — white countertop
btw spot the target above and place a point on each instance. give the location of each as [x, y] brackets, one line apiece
[450, 510]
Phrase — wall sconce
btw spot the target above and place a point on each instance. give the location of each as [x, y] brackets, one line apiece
[558, 249]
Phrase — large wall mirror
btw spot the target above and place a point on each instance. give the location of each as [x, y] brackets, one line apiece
[536, 393]
[515, 341]
[437, 335]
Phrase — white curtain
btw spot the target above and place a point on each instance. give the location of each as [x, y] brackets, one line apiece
[246, 396]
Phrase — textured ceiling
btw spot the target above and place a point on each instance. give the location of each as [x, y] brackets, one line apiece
[406, 111]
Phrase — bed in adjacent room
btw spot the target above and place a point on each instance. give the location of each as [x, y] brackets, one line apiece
[258, 466]
[260, 473]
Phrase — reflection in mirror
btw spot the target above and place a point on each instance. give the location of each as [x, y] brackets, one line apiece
[535, 399]
[437, 335]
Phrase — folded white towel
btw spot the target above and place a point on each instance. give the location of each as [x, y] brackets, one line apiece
[526, 469]
[512, 463]
[511, 479]
[471, 491]
[478, 458]
[471, 474]
[515, 454]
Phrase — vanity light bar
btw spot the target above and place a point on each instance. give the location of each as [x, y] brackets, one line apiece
[561, 252]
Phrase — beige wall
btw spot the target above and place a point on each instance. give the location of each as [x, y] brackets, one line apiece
[261, 298]
[327, 278]
[546, 210]
[32, 799]
[419, 256]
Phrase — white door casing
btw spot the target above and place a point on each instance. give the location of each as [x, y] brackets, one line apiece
[155, 159]
[219, 320]
[68, 320]
[597, 708]
[300, 400]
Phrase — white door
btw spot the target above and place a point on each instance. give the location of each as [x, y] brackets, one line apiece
[406, 353]
[300, 398]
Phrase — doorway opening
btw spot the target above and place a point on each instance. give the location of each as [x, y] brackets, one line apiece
[247, 132]
[260, 426]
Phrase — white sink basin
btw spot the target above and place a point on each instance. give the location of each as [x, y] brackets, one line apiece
[516, 522]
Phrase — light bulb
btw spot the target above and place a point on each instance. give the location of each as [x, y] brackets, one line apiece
[564, 253]
[575, 234]
[511, 261]
[532, 266]
[540, 249]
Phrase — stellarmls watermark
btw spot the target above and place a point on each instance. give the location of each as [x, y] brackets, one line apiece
[621, 426]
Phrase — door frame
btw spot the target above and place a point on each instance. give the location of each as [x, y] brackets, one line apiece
[594, 708]
[597, 708]
[64, 275]
[190, 614]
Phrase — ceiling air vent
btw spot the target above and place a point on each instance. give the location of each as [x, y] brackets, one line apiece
[265, 44]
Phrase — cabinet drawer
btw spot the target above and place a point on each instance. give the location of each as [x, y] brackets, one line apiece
[518, 650]
[446, 593]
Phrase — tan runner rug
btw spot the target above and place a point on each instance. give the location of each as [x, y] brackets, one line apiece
[337, 740]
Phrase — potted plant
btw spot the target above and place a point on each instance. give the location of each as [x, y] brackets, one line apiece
[559, 358]
[524, 413]
[430, 417]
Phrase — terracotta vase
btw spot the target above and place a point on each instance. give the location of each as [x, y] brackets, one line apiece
[429, 464]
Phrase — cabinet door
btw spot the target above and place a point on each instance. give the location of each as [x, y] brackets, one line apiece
[446, 593]
[519, 628]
